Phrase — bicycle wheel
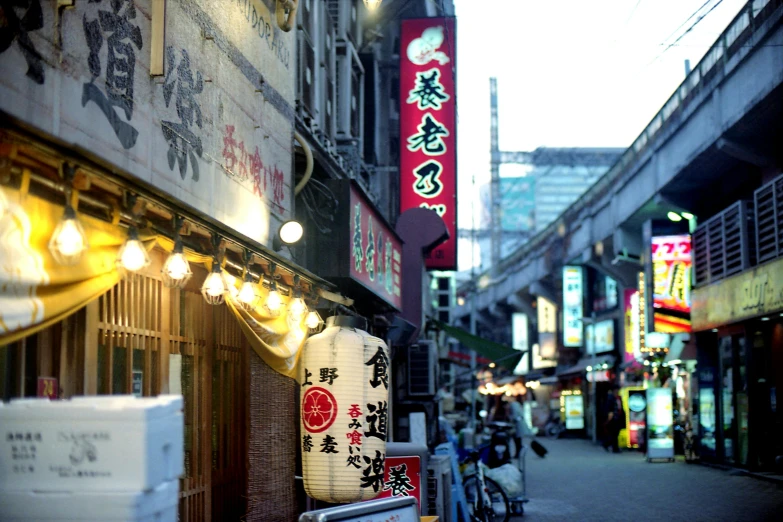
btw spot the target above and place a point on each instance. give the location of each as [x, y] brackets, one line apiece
[500, 509]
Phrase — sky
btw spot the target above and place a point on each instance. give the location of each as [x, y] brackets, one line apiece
[571, 73]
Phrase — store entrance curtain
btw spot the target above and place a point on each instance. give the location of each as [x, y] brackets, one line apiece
[35, 290]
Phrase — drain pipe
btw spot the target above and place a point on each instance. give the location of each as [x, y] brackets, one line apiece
[309, 169]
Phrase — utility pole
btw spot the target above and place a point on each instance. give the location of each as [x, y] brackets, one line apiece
[495, 225]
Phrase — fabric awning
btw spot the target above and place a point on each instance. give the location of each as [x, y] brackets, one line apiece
[500, 354]
[584, 362]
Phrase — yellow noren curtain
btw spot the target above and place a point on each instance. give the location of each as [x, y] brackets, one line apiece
[36, 291]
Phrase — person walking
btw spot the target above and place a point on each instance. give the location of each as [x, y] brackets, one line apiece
[615, 419]
[521, 426]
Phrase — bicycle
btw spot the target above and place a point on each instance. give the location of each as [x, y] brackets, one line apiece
[487, 501]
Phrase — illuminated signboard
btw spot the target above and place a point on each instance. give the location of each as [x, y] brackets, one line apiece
[519, 341]
[603, 336]
[671, 269]
[641, 315]
[376, 252]
[547, 315]
[428, 131]
[631, 330]
[572, 306]
[574, 407]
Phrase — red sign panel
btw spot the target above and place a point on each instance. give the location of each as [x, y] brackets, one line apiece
[402, 478]
[428, 127]
[376, 253]
[671, 266]
[47, 387]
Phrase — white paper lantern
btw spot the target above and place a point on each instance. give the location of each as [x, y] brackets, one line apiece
[344, 379]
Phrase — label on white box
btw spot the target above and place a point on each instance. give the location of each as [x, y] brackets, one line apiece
[74, 454]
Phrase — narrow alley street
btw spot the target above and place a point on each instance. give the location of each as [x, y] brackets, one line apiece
[581, 482]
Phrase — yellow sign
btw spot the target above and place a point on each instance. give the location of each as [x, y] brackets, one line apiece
[743, 296]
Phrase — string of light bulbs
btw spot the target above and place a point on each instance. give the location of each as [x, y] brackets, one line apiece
[69, 242]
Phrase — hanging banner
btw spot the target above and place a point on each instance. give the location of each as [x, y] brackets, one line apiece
[671, 269]
[572, 306]
[428, 130]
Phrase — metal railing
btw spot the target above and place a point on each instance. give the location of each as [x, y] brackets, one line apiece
[731, 42]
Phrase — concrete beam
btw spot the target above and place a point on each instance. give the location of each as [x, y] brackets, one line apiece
[743, 153]
[541, 289]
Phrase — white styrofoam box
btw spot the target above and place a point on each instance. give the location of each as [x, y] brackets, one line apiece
[107, 443]
[156, 505]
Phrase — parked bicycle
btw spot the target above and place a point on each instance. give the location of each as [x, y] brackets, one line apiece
[487, 501]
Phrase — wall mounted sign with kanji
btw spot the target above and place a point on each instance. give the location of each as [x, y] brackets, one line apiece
[428, 131]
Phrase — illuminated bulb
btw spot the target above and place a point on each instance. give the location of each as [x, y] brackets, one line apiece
[674, 216]
[686, 215]
[273, 301]
[213, 285]
[133, 256]
[297, 308]
[313, 320]
[247, 293]
[372, 5]
[177, 267]
[68, 240]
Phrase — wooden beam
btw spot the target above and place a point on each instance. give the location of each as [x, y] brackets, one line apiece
[157, 37]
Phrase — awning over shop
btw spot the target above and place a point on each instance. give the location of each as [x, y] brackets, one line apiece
[591, 361]
[500, 354]
[548, 380]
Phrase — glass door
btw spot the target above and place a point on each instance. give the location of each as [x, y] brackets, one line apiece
[728, 421]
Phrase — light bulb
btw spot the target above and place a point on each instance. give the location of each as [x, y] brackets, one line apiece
[134, 256]
[273, 301]
[70, 240]
[213, 284]
[297, 308]
[247, 294]
[177, 266]
[291, 232]
[674, 216]
[312, 321]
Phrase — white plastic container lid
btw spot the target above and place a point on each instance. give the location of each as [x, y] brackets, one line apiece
[106, 407]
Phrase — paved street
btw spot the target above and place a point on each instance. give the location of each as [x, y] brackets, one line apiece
[579, 481]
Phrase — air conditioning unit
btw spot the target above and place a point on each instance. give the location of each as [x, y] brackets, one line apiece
[328, 72]
[350, 94]
[422, 369]
[347, 18]
[306, 16]
[305, 78]
[439, 487]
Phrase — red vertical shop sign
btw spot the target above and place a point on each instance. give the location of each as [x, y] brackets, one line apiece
[428, 127]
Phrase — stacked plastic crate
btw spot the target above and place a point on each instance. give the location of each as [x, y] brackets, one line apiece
[91, 458]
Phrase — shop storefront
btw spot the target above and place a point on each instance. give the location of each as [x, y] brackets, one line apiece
[739, 321]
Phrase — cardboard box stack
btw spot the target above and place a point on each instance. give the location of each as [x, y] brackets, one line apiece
[101, 458]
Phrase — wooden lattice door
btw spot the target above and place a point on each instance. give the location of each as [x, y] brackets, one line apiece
[152, 339]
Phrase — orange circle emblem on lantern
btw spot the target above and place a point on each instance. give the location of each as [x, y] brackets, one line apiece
[344, 378]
